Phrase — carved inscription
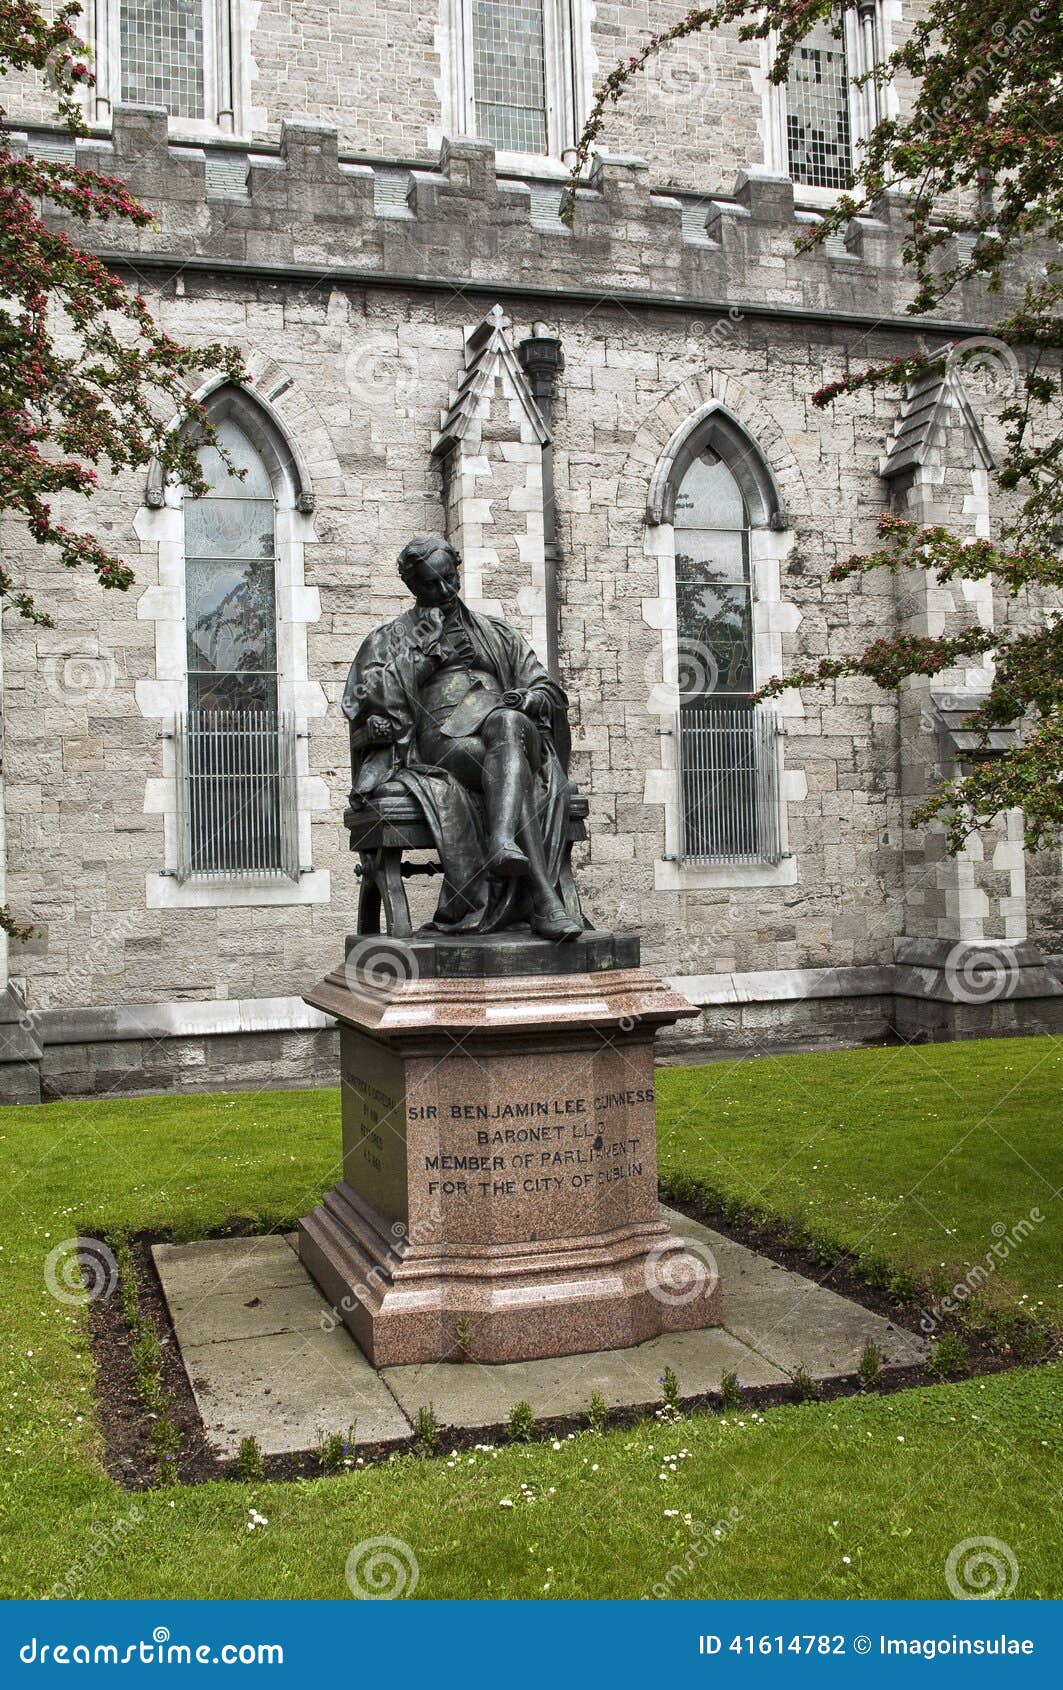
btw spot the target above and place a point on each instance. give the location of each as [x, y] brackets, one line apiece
[534, 1146]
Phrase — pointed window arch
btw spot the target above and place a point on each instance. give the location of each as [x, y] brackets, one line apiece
[236, 747]
[715, 491]
[231, 580]
[712, 583]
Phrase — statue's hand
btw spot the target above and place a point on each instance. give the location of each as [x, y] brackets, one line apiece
[530, 703]
[380, 731]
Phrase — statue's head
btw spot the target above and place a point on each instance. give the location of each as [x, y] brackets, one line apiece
[430, 569]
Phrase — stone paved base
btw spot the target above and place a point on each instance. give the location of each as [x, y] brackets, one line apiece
[265, 1358]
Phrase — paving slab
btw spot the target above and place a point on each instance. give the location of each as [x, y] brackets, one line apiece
[469, 1394]
[288, 1389]
[792, 1321]
[260, 1359]
[225, 1317]
[263, 1362]
[232, 1265]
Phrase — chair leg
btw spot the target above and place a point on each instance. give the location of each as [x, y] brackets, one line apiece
[393, 892]
[567, 886]
[369, 893]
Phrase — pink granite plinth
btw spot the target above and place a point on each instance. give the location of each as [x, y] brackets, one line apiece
[499, 1192]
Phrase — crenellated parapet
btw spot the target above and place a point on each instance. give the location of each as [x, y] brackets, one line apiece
[303, 205]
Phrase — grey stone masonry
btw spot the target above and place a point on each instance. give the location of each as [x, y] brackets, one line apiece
[305, 206]
[436, 350]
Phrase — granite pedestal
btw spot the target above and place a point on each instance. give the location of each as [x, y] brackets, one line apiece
[499, 1191]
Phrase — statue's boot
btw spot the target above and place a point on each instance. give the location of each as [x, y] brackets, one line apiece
[552, 921]
[506, 780]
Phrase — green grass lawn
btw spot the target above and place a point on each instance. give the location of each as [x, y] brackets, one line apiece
[863, 1497]
[927, 1155]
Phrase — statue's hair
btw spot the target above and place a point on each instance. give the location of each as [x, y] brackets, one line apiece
[419, 551]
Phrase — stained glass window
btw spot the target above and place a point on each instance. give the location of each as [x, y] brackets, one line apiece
[509, 74]
[162, 54]
[818, 135]
[725, 765]
[235, 751]
[712, 583]
[230, 585]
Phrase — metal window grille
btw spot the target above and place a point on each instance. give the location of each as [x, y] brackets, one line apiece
[162, 54]
[509, 73]
[729, 784]
[236, 795]
[818, 133]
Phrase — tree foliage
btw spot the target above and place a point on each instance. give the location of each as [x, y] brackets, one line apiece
[88, 379]
[976, 151]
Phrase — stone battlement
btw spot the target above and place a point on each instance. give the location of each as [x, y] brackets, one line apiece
[305, 206]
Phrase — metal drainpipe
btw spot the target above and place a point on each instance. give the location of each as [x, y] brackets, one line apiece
[542, 360]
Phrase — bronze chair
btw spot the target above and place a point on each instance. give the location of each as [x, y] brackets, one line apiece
[390, 823]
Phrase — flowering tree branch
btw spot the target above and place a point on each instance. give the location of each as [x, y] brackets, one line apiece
[88, 379]
[982, 130]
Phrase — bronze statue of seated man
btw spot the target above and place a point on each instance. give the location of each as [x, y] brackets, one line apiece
[455, 709]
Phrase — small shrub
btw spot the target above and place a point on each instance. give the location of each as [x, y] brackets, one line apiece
[597, 1414]
[1031, 1344]
[426, 1431]
[146, 1357]
[730, 1393]
[670, 1386]
[736, 1211]
[875, 1271]
[904, 1286]
[521, 1423]
[127, 1279]
[249, 1463]
[824, 1249]
[682, 1188]
[144, 1352]
[807, 1389]
[335, 1450]
[165, 1444]
[870, 1370]
[948, 1357]
[463, 1336]
[671, 1411]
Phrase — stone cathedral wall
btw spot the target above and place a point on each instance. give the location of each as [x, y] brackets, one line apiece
[351, 302]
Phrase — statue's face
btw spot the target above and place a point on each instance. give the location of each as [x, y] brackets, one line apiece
[435, 581]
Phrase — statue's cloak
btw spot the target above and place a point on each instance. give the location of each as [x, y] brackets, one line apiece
[385, 680]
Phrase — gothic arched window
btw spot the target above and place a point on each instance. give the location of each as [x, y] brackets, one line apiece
[230, 581]
[818, 125]
[236, 749]
[712, 584]
[728, 763]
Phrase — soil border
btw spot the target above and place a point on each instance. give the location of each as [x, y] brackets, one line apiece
[124, 1422]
